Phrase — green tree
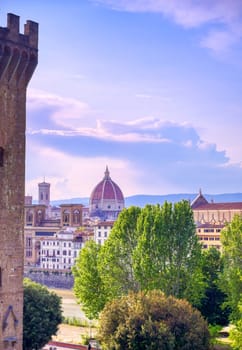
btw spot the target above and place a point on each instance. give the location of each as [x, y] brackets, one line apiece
[151, 248]
[231, 238]
[116, 256]
[41, 317]
[168, 255]
[212, 303]
[236, 333]
[151, 321]
[88, 286]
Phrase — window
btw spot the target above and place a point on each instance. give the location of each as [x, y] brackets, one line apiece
[76, 217]
[1, 156]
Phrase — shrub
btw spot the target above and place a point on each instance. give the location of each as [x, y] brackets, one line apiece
[152, 321]
[41, 315]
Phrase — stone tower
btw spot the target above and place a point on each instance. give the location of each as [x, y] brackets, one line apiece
[44, 193]
[18, 59]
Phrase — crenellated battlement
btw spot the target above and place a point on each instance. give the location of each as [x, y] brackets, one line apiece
[12, 34]
[18, 52]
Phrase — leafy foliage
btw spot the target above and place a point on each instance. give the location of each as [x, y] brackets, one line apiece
[212, 303]
[42, 315]
[231, 238]
[236, 336]
[155, 247]
[168, 255]
[88, 286]
[140, 321]
[116, 256]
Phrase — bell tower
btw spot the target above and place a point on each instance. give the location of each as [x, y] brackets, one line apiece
[18, 60]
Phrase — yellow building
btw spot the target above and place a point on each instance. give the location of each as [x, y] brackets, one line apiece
[210, 219]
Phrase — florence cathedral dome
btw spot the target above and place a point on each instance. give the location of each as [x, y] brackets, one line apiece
[107, 199]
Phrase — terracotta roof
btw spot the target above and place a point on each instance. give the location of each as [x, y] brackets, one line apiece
[105, 223]
[106, 189]
[208, 225]
[219, 206]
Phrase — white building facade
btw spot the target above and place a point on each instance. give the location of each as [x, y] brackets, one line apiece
[102, 230]
[60, 252]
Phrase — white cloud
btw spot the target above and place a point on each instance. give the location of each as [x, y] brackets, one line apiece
[189, 13]
[74, 176]
[192, 13]
[65, 112]
[148, 129]
[219, 41]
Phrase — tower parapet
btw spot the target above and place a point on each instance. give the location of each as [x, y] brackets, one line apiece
[18, 52]
[18, 60]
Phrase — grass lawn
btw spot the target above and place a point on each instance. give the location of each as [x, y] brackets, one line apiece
[69, 304]
[68, 333]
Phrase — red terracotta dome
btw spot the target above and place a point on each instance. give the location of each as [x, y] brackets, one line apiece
[107, 199]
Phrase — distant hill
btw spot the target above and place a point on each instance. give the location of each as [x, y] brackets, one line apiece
[141, 200]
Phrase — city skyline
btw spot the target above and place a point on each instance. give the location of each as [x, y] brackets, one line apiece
[150, 88]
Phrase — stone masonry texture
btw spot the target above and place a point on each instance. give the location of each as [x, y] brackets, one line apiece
[18, 59]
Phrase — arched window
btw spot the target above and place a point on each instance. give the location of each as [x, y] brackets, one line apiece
[76, 217]
[66, 217]
[29, 217]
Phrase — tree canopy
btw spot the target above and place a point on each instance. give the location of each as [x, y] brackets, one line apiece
[88, 286]
[212, 303]
[142, 321]
[116, 256]
[41, 317]
[155, 247]
[231, 238]
[168, 255]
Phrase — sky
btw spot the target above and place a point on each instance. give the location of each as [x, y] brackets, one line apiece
[150, 88]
